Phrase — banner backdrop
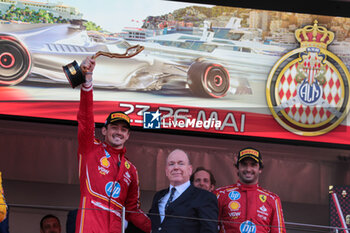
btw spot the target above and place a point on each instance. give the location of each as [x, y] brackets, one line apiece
[208, 69]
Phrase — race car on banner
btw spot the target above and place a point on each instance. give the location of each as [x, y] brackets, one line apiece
[37, 52]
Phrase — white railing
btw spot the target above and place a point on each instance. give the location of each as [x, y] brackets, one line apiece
[290, 226]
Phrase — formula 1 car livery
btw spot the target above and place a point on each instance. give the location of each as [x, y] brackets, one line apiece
[37, 52]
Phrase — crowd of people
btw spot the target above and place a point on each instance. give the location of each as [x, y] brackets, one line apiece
[191, 203]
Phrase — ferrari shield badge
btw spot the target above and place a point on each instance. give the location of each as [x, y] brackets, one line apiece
[308, 88]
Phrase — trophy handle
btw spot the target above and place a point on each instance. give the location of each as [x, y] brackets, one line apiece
[76, 74]
[130, 52]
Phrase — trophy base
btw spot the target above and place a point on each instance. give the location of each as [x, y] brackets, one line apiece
[74, 74]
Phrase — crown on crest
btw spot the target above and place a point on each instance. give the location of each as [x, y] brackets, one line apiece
[314, 36]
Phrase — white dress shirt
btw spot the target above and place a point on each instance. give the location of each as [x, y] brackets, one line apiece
[162, 202]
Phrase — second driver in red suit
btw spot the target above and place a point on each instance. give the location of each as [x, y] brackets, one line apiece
[108, 180]
[245, 207]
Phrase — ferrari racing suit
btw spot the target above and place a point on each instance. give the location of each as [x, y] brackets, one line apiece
[3, 206]
[108, 180]
[249, 209]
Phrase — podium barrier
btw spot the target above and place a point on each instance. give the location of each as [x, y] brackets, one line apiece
[291, 227]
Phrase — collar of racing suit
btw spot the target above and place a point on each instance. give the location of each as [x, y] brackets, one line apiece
[121, 163]
[114, 151]
[247, 187]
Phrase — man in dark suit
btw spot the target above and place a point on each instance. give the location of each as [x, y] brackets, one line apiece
[183, 207]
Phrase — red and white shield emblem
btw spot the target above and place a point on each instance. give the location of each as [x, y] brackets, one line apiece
[308, 88]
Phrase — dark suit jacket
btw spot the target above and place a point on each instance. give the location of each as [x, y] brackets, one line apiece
[193, 203]
[71, 218]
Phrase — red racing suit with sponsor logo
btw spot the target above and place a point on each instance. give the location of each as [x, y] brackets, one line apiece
[108, 180]
[249, 209]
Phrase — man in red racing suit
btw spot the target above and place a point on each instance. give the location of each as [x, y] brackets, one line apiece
[108, 180]
[245, 207]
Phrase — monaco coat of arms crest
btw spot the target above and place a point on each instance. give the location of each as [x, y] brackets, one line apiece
[307, 89]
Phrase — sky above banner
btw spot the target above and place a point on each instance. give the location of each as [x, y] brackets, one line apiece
[115, 15]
